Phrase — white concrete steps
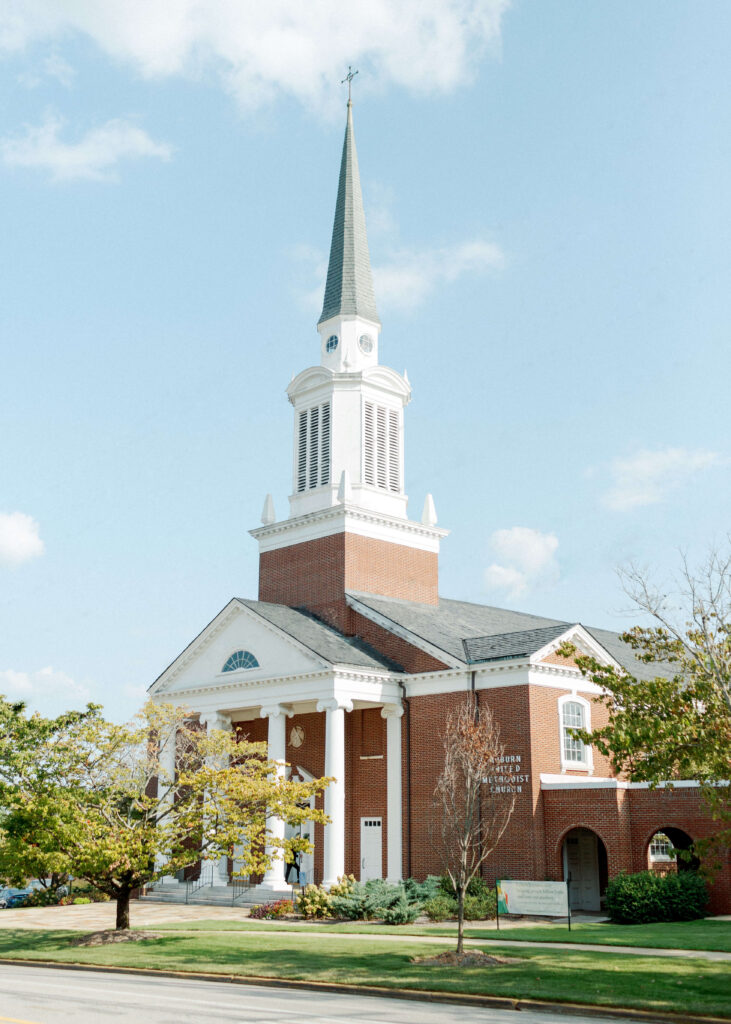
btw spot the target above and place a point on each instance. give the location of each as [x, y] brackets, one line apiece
[215, 895]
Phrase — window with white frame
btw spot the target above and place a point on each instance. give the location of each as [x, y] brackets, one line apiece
[573, 714]
[660, 847]
[313, 447]
[381, 447]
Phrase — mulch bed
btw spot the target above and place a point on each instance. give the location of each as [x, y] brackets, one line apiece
[109, 936]
[472, 958]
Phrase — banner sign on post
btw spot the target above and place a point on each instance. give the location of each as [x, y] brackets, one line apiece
[545, 899]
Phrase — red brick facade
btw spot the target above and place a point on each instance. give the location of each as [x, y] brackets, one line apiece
[316, 574]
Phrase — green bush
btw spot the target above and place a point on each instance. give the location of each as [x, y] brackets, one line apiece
[401, 911]
[649, 896]
[42, 898]
[81, 901]
[477, 887]
[440, 907]
[422, 892]
[480, 908]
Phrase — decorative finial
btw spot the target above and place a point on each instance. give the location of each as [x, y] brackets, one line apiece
[429, 515]
[349, 79]
[267, 513]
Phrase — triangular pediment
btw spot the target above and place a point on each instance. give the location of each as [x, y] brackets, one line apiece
[584, 643]
[236, 628]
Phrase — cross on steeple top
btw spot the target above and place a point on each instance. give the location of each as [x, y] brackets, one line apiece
[349, 79]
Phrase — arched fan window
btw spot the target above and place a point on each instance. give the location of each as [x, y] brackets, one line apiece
[240, 659]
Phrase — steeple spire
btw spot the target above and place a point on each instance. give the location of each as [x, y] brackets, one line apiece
[349, 288]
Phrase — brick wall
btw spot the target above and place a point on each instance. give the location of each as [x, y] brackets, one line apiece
[316, 574]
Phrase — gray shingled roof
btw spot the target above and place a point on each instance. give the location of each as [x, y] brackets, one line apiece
[510, 645]
[349, 287]
[320, 638]
[452, 624]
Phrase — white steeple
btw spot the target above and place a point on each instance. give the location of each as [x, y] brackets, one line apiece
[348, 451]
[349, 410]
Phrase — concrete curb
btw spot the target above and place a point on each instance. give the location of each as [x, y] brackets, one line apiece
[453, 998]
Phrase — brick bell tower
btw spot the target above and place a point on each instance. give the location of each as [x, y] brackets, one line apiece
[348, 527]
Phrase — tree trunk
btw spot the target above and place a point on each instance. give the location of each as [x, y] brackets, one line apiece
[123, 911]
[460, 922]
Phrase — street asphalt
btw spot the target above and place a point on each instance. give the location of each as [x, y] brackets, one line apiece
[40, 995]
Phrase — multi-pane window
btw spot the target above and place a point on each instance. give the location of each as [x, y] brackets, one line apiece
[660, 847]
[572, 717]
[313, 447]
[240, 659]
[381, 447]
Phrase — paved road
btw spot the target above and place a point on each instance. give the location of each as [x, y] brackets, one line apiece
[38, 995]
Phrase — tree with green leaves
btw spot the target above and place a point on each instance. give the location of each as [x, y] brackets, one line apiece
[677, 725]
[99, 801]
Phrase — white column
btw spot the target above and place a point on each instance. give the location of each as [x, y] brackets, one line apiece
[334, 852]
[167, 781]
[217, 720]
[277, 751]
[394, 811]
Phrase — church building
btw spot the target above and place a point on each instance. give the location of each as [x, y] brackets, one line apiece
[349, 660]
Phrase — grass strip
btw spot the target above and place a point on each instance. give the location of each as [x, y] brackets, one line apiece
[706, 935]
[597, 979]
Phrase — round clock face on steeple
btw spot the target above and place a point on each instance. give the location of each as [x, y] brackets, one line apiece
[366, 344]
[297, 736]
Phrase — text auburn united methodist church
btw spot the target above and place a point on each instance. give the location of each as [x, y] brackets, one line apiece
[349, 661]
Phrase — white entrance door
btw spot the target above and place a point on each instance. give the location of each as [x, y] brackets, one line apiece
[371, 849]
[581, 864]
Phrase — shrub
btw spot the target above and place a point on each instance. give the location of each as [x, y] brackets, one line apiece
[480, 908]
[81, 901]
[440, 907]
[423, 892]
[477, 886]
[401, 911]
[42, 898]
[648, 896]
[314, 902]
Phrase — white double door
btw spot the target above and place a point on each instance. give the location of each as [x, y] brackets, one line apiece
[371, 848]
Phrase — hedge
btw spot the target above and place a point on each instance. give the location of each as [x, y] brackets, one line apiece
[649, 896]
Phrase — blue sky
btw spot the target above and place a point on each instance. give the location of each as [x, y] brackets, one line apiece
[548, 194]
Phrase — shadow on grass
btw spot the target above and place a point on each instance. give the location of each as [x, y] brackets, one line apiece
[602, 979]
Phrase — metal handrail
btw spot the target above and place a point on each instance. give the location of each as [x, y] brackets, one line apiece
[204, 879]
[239, 887]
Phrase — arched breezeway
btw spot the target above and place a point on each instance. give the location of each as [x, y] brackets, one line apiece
[670, 848]
[584, 857]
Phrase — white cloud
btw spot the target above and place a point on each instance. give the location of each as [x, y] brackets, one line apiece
[56, 67]
[647, 477]
[527, 559]
[19, 538]
[94, 156]
[409, 276]
[258, 50]
[43, 688]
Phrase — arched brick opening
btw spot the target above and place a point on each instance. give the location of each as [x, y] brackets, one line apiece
[584, 864]
[659, 859]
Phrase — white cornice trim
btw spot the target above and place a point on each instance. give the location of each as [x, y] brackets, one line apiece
[558, 782]
[347, 518]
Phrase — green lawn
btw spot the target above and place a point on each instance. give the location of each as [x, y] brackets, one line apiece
[604, 979]
[709, 934]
